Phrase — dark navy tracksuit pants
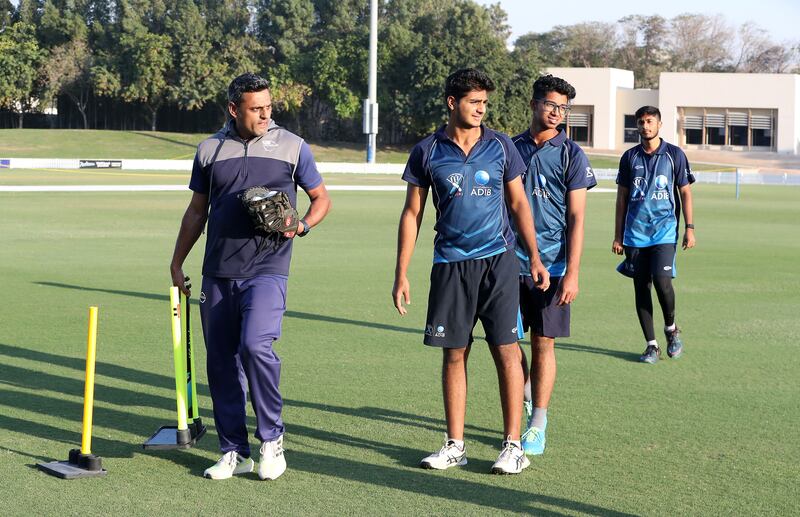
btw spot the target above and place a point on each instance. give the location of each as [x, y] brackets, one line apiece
[241, 320]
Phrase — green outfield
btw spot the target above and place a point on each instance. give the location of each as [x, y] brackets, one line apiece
[78, 143]
[714, 433]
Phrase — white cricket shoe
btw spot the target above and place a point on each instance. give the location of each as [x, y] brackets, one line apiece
[448, 456]
[230, 464]
[272, 463]
[512, 459]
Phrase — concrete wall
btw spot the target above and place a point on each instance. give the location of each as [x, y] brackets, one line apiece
[597, 87]
[712, 90]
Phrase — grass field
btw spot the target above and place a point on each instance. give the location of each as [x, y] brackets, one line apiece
[714, 433]
[76, 143]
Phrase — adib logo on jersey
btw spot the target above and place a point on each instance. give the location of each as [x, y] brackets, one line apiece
[639, 185]
[540, 190]
[661, 185]
[481, 181]
[455, 180]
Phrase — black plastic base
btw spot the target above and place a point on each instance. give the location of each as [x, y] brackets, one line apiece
[78, 466]
[170, 437]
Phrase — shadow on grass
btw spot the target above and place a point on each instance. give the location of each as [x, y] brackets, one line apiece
[573, 347]
[288, 314]
[441, 487]
[490, 437]
[165, 139]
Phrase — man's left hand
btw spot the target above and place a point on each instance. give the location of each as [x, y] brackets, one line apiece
[688, 239]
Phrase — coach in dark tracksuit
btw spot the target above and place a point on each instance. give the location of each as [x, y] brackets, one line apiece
[245, 274]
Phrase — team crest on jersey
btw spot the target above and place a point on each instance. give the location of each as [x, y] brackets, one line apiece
[540, 191]
[639, 184]
[481, 187]
[455, 180]
[269, 145]
[661, 185]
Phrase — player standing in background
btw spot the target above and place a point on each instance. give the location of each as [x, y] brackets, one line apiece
[474, 174]
[557, 178]
[653, 183]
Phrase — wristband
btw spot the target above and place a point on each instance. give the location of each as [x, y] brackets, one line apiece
[306, 228]
[690, 226]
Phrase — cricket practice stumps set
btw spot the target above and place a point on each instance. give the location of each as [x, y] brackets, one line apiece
[189, 429]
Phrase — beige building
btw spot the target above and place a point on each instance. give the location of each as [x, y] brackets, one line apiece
[738, 112]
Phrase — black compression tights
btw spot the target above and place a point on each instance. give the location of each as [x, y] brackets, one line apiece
[644, 302]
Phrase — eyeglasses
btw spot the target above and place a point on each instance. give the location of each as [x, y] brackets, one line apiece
[551, 106]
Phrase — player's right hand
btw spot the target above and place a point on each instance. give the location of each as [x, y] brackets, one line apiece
[540, 275]
[401, 292]
[180, 280]
[617, 248]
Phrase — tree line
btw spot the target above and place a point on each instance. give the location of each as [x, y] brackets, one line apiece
[154, 63]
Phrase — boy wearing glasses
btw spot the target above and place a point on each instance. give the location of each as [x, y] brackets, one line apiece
[556, 179]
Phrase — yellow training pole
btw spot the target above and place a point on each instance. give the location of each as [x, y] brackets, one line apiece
[88, 390]
[179, 355]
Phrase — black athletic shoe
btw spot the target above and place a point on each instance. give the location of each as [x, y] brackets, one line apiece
[651, 355]
[674, 343]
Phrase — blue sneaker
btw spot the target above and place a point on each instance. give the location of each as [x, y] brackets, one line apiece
[651, 355]
[533, 441]
[674, 343]
[527, 412]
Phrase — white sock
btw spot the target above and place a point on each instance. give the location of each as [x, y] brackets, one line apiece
[652, 343]
[539, 418]
[670, 328]
[458, 443]
[527, 391]
[516, 442]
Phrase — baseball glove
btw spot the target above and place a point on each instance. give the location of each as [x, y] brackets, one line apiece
[270, 210]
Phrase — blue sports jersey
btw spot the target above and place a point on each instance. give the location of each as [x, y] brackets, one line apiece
[468, 194]
[554, 169]
[653, 201]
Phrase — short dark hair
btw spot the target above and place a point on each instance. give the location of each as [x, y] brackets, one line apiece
[245, 83]
[548, 83]
[647, 110]
[461, 82]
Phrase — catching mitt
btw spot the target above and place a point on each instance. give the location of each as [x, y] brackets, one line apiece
[270, 210]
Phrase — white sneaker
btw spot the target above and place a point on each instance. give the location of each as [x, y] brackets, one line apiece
[230, 464]
[512, 459]
[448, 456]
[272, 463]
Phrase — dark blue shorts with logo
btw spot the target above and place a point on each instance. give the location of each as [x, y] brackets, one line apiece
[540, 310]
[467, 291]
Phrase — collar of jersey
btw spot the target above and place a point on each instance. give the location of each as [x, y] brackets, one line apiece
[556, 141]
[662, 148]
[486, 133]
[230, 131]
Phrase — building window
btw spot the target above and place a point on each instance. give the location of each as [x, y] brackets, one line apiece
[761, 131]
[693, 129]
[715, 129]
[631, 131]
[579, 125]
[737, 128]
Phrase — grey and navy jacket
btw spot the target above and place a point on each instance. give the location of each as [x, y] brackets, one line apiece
[224, 166]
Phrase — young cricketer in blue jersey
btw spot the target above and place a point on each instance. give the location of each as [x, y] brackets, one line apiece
[652, 185]
[556, 180]
[474, 176]
[243, 296]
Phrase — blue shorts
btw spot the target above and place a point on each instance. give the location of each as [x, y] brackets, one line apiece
[540, 310]
[658, 260]
[464, 292]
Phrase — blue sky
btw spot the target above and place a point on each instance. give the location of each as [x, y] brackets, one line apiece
[779, 17]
